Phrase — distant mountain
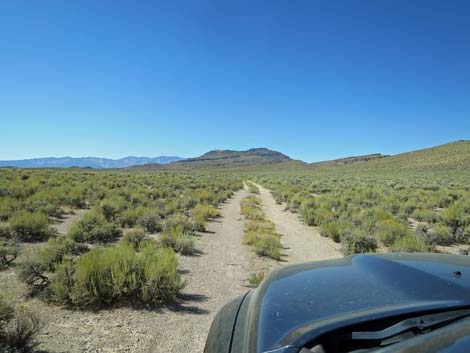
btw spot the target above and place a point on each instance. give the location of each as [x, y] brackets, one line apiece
[229, 159]
[87, 162]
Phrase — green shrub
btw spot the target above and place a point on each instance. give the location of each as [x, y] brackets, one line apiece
[422, 231]
[179, 240]
[184, 243]
[250, 202]
[161, 278]
[324, 215]
[18, 328]
[199, 222]
[118, 275]
[129, 217]
[6, 314]
[42, 202]
[409, 243]
[93, 228]
[201, 213]
[61, 282]
[45, 259]
[8, 254]
[315, 213]
[358, 243]
[375, 218]
[334, 230]
[134, 237]
[250, 237]
[255, 279]
[462, 235]
[294, 203]
[80, 229]
[110, 208]
[390, 231]
[440, 234]
[307, 210]
[254, 214]
[252, 188]
[207, 211]
[104, 233]
[264, 226]
[77, 198]
[150, 220]
[5, 231]
[259, 232]
[177, 220]
[268, 245]
[424, 215]
[453, 215]
[250, 208]
[203, 196]
[255, 229]
[27, 226]
[7, 208]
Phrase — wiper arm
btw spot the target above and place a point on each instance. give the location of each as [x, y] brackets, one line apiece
[420, 323]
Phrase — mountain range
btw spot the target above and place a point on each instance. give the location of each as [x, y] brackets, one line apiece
[87, 162]
[453, 156]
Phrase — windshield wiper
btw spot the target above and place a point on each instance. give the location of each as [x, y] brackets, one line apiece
[419, 323]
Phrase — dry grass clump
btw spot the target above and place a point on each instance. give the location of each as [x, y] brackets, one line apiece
[18, 327]
[8, 254]
[259, 231]
[255, 279]
[252, 188]
[202, 213]
[409, 243]
[178, 239]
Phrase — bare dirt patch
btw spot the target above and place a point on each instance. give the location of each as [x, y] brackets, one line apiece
[456, 249]
[62, 225]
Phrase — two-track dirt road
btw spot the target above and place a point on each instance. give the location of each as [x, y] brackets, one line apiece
[215, 275]
[301, 243]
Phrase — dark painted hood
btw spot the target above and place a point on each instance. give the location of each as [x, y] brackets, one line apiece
[297, 303]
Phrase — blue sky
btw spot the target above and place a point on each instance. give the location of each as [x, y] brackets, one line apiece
[313, 79]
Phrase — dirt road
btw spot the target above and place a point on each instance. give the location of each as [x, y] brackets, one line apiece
[301, 243]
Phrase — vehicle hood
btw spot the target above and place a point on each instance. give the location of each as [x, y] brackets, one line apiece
[300, 302]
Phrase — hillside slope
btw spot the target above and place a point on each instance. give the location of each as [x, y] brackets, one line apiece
[349, 160]
[453, 156]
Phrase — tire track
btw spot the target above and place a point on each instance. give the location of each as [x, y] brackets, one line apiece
[301, 242]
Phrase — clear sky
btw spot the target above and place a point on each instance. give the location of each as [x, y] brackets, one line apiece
[313, 79]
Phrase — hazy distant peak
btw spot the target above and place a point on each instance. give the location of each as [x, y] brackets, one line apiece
[87, 162]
